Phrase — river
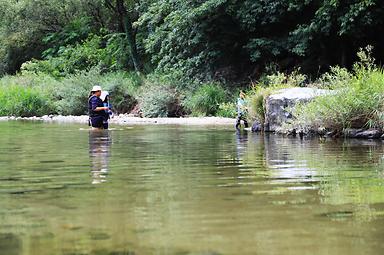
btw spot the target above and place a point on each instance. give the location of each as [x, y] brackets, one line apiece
[186, 191]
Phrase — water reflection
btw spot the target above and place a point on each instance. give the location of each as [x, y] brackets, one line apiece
[241, 143]
[99, 153]
[283, 157]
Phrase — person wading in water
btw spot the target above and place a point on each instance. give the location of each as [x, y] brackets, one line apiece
[96, 108]
[241, 110]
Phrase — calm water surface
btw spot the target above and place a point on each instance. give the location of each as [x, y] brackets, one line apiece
[186, 190]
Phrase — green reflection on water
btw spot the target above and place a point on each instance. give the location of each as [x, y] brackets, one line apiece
[186, 190]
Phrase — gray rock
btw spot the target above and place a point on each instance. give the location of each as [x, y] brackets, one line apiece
[256, 126]
[369, 134]
[277, 104]
[351, 132]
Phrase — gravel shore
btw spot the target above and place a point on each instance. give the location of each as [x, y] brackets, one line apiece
[124, 119]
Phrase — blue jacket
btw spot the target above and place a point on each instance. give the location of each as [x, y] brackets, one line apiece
[94, 102]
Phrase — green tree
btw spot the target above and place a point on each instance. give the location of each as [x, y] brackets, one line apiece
[227, 40]
[193, 37]
[127, 14]
[25, 23]
[205, 37]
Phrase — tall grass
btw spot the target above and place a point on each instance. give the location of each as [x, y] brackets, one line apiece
[157, 95]
[66, 96]
[206, 100]
[358, 101]
[24, 102]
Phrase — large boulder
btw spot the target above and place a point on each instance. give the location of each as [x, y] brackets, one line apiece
[277, 104]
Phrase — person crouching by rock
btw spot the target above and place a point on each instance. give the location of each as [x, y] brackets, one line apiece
[241, 110]
[97, 110]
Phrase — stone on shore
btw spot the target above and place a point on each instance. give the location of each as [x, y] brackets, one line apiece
[277, 104]
[352, 132]
[361, 133]
[256, 126]
[369, 134]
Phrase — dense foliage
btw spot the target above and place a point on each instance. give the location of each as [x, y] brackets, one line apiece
[210, 39]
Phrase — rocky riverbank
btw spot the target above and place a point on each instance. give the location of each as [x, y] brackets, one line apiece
[124, 119]
[278, 115]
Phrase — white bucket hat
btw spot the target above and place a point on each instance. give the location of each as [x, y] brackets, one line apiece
[96, 88]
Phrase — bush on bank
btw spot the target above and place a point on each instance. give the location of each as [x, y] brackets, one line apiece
[227, 110]
[160, 97]
[73, 91]
[156, 95]
[26, 96]
[357, 103]
[358, 100]
[65, 96]
[205, 101]
[24, 102]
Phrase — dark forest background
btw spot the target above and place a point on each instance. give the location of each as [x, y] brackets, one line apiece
[233, 40]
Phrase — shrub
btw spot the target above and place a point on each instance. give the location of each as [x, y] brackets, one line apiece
[159, 100]
[274, 78]
[266, 86]
[123, 90]
[73, 92]
[24, 101]
[360, 104]
[69, 95]
[41, 67]
[227, 110]
[206, 99]
[358, 100]
[256, 103]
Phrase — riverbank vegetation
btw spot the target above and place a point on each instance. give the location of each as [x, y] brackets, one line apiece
[357, 101]
[355, 98]
[174, 58]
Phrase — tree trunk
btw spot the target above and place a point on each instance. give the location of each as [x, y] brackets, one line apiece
[131, 37]
[129, 33]
[343, 52]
